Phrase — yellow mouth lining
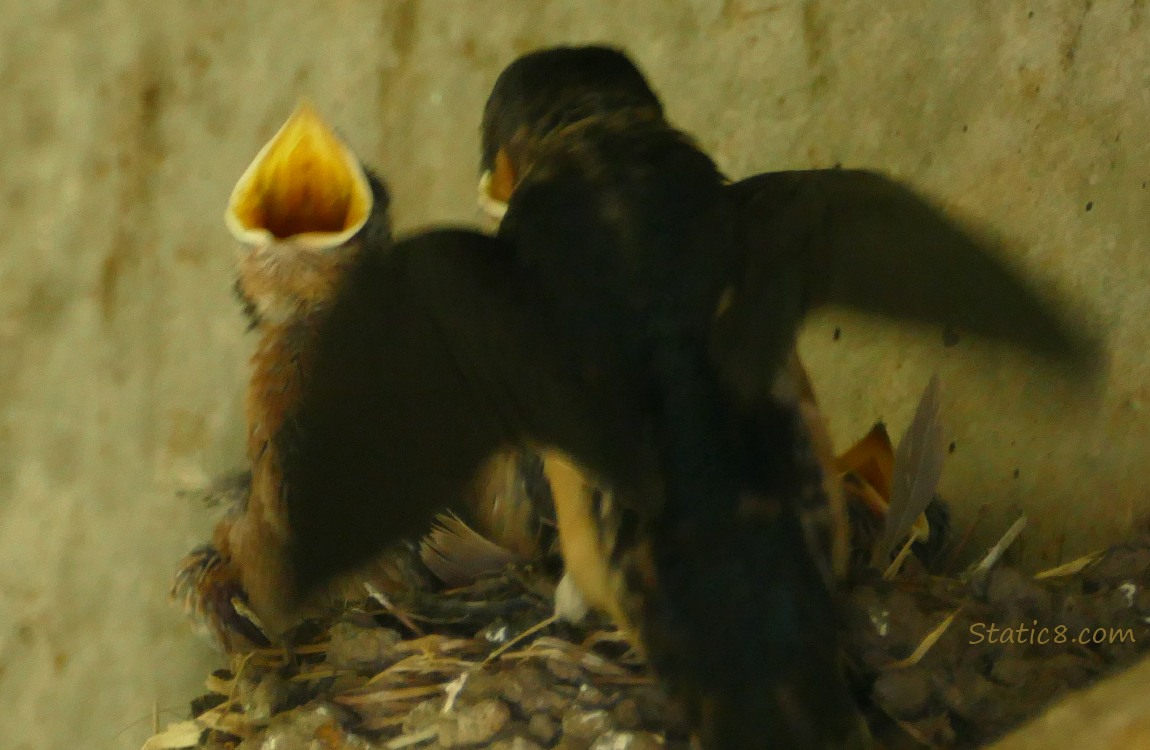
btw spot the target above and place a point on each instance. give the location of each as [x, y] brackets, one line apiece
[496, 186]
[488, 204]
[304, 184]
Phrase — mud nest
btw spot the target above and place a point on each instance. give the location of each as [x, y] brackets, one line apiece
[483, 666]
[937, 661]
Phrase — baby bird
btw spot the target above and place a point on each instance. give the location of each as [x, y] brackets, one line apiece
[303, 212]
[624, 215]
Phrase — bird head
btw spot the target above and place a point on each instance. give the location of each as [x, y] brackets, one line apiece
[299, 211]
[543, 92]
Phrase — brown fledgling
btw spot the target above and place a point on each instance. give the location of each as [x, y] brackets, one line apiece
[303, 212]
[300, 212]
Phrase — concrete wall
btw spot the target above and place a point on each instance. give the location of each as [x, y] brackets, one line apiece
[123, 125]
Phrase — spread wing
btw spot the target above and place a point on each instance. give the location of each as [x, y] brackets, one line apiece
[860, 239]
[433, 356]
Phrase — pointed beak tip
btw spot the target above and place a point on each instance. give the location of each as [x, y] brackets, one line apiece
[306, 120]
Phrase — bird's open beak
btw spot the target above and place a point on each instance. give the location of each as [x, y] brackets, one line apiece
[496, 186]
[305, 184]
[491, 206]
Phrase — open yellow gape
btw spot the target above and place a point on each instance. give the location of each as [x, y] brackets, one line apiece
[496, 186]
[305, 184]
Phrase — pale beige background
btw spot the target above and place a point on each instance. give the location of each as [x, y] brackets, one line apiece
[123, 125]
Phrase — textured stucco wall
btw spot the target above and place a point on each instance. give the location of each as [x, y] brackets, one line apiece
[123, 125]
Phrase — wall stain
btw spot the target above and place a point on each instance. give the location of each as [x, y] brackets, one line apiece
[16, 197]
[187, 432]
[45, 306]
[62, 459]
[191, 255]
[196, 60]
[141, 152]
[403, 23]
[111, 269]
[1074, 38]
[814, 32]
[687, 26]
[1030, 83]
[400, 21]
[521, 44]
[815, 29]
[736, 11]
[8, 454]
[39, 127]
[469, 50]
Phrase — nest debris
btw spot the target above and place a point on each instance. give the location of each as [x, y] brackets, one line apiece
[929, 669]
[938, 659]
[363, 680]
